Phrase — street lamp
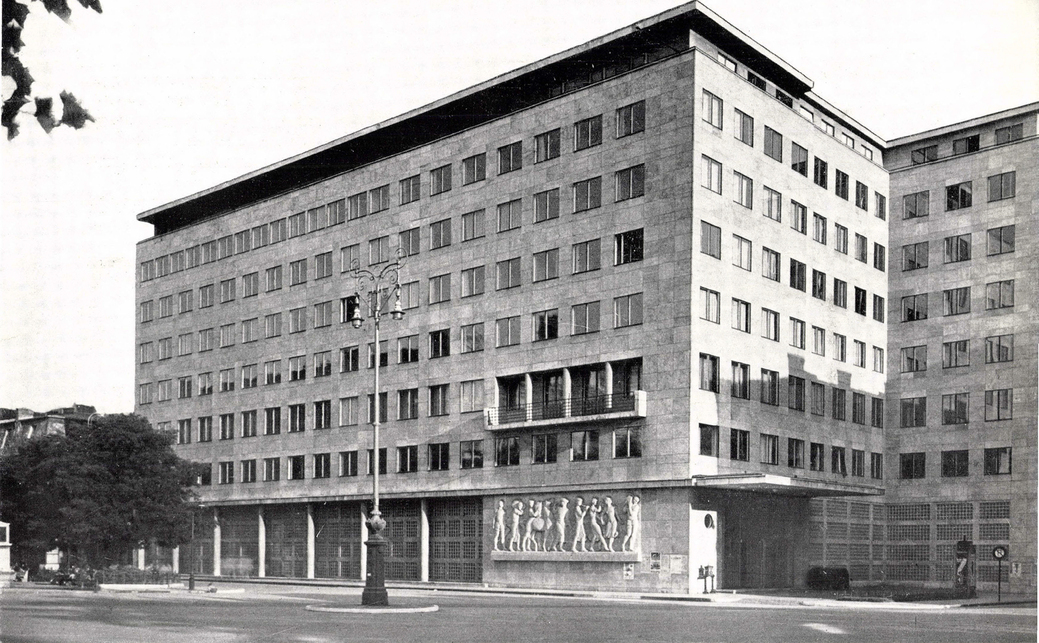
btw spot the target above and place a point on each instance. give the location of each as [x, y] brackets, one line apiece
[191, 571]
[372, 287]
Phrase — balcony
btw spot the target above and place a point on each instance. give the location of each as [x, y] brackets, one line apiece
[572, 410]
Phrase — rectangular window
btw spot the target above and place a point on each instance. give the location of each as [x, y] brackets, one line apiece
[999, 294]
[914, 307]
[587, 133]
[472, 338]
[297, 320]
[798, 159]
[372, 460]
[272, 372]
[439, 343]
[439, 289]
[409, 242]
[876, 466]
[510, 157]
[818, 341]
[630, 182]
[627, 310]
[350, 257]
[378, 198]
[1009, 134]
[999, 404]
[916, 205]
[956, 354]
[796, 393]
[913, 412]
[440, 234]
[297, 467]
[840, 184]
[271, 469]
[631, 119]
[795, 453]
[323, 414]
[509, 215]
[744, 190]
[226, 472]
[586, 254]
[227, 337]
[297, 368]
[798, 275]
[912, 465]
[322, 465]
[840, 242]
[773, 144]
[709, 373]
[472, 281]
[773, 204]
[546, 146]
[797, 333]
[955, 408]
[1001, 240]
[407, 404]
[378, 250]
[507, 331]
[712, 109]
[966, 144]
[584, 446]
[543, 448]
[999, 348]
[439, 180]
[471, 396]
[205, 296]
[407, 349]
[470, 453]
[817, 457]
[821, 173]
[742, 251]
[585, 318]
[741, 315]
[546, 265]
[769, 387]
[770, 260]
[474, 168]
[739, 445]
[879, 257]
[744, 128]
[858, 408]
[712, 175]
[710, 305]
[439, 456]
[818, 401]
[1001, 186]
[819, 285]
[861, 196]
[546, 205]
[770, 323]
[186, 299]
[924, 154]
[410, 190]
[506, 452]
[819, 228]
[958, 196]
[545, 325]
[860, 301]
[769, 449]
[740, 380]
[709, 441]
[956, 300]
[227, 426]
[272, 421]
[957, 248]
[997, 461]
[348, 411]
[914, 359]
[627, 442]
[915, 256]
[837, 462]
[710, 240]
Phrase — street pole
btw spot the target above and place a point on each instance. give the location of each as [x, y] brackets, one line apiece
[191, 571]
[372, 285]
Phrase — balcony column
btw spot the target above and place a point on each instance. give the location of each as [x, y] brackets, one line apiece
[609, 386]
[423, 540]
[528, 396]
[310, 540]
[261, 543]
[216, 541]
[568, 393]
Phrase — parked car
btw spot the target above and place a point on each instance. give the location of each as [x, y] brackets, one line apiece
[835, 578]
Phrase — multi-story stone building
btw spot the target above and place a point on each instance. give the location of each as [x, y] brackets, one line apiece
[964, 330]
[645, 290]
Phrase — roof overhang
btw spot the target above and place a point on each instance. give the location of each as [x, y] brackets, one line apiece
[784, 485]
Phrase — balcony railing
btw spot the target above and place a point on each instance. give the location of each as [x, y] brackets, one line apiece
[572, 409]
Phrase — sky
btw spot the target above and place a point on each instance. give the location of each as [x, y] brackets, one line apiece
[192, 93]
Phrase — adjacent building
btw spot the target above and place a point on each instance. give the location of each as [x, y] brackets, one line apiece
[646, 334]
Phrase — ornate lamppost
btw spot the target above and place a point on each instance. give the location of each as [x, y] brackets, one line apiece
[375, 289]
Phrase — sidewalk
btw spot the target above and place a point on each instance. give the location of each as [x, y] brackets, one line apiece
[790, 598]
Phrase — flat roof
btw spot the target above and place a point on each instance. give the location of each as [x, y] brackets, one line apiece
[481, 103]
[962, 125]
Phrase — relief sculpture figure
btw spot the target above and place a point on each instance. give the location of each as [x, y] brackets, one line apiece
[561, 510]
[517, 511]
[580, 509]
[499, 526]
[535, 524]
[596, 520]
[611, 523]
[633, 528]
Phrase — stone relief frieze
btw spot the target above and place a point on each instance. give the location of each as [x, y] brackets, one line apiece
[561, 524]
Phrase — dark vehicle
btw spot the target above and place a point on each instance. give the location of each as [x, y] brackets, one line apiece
[836, 578]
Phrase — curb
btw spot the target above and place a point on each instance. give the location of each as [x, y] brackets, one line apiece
[374, 610]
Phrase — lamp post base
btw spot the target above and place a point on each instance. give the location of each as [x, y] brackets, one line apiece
[375, 581]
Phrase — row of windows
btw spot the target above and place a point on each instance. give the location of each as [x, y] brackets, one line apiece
[710, 310]
[955, 463]
[545, 325]
[967, 144]
[958, 248]
[587, 133]
[799, 391]
[773, 147]
[585, 256]
[956, 353]
[802, 109]
[769, 452]
[999, 405]
[771, 262]
[957, 301]
[544, 448]
[959, 196]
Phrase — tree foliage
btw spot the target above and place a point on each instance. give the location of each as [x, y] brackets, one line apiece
[96, 491]
[15, 13]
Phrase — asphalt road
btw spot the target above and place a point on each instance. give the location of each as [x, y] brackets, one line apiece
[264, 613]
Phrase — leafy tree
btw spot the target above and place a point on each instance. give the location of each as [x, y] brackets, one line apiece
[96, 491]
[15, 14]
